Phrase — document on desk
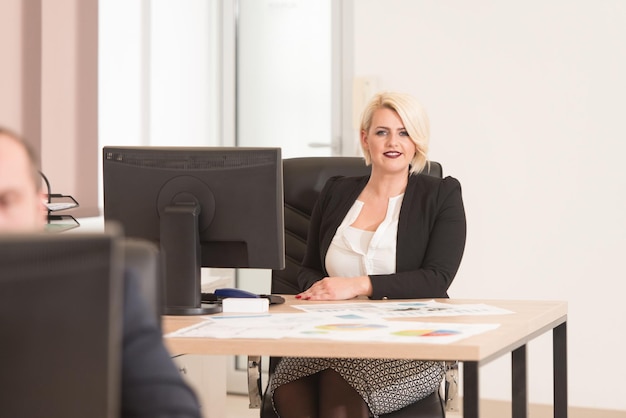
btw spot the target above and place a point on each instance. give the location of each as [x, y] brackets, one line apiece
[248, 326]
[339, 327]
[404, 309]
[393, 331]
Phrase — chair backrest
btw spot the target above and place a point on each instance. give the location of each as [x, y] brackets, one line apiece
[304, 179]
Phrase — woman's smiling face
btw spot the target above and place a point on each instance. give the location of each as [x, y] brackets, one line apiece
[387, 141]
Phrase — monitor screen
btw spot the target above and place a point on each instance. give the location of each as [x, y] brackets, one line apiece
[61, 325]
[205, 206]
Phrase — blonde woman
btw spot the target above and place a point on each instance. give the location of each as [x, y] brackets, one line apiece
[395, 234]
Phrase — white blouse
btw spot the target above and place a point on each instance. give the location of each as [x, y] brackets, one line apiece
[356, 252]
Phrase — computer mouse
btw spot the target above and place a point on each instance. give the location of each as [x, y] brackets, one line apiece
[229, 292]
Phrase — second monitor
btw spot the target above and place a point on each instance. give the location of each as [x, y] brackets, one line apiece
[206, 206]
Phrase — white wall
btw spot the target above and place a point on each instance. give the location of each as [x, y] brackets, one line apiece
[527, 104]
[48, 89]
[11, 70]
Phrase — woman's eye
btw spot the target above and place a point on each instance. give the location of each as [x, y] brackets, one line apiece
[404, 133]
[381, 132]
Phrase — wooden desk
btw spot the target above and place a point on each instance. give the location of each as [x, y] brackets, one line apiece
[529, 320]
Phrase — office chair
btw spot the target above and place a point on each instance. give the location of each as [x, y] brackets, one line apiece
[304, 179]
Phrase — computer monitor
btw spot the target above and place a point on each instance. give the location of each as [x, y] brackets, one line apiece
[206, 206]
[61, 325]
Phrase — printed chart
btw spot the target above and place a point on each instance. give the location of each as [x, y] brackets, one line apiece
[409, 309]
[340, 327]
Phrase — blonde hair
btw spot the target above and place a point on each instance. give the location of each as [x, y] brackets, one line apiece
[413, 117]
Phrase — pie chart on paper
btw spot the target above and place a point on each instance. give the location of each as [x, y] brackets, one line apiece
[426, 333]
[350, 327]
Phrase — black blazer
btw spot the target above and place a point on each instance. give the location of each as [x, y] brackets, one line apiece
[430, 241]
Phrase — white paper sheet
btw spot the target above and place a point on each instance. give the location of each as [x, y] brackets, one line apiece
[341, 326]
[408, 309]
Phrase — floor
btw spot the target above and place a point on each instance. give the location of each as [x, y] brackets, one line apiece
[237, 407]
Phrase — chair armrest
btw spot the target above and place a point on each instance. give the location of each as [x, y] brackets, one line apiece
[255, 391]
[451, 386]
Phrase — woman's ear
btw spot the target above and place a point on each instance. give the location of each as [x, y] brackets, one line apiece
[364, 143]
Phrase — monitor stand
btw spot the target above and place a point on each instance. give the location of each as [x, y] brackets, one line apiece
[180, 244]
[204, 309]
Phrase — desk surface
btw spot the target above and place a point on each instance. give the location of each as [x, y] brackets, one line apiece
[528, 320]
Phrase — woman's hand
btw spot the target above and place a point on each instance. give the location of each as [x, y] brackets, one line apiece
[338, 288]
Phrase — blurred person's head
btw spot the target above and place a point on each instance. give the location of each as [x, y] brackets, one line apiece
[21, 197]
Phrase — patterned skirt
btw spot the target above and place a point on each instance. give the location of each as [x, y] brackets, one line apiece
[385, 385]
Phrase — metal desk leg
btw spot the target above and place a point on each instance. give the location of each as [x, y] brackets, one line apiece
[559, 350]
[470, 389]
[519, 383]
